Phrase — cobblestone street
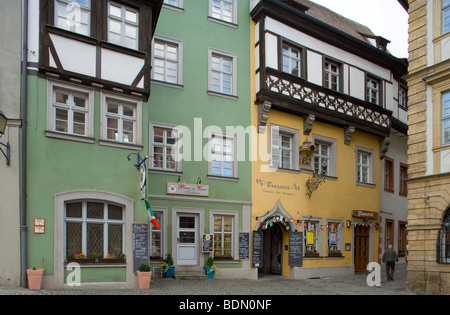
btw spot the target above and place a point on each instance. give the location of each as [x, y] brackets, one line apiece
[269, 285]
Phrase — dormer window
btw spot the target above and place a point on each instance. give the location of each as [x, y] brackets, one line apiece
[74, 16]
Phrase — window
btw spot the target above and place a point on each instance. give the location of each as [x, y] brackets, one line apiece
[364, 166]
[93, 227]
[74, 16]
[445, 16]
[291, 60]
[389, 234]
[443, 250]
[222, 73]
[166, 61]
[402, 239]
[312, 236]
[120, 121]
[446, 118]
[402, 98]
[156, 238]
[223, 10]
[123, 25]
[332, 75]
[388, 175]
[403, 191]
[373, 91]
[284, 148]
[223, 236]
[174, 3]
[326, 153]
[164, 145]
[222, 159]
[70, 112]
[334, 237]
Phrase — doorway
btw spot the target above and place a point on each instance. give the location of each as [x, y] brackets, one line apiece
[273, 243]
[187, 239]
[361, 248]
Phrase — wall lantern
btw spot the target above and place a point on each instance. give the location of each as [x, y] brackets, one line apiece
[348, 223]
[306, 152]
[3, 121]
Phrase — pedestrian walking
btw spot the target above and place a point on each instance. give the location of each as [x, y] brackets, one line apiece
[391, 258]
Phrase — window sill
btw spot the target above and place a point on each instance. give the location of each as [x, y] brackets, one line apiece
[229, 24]
[67, 136]
[366, 184]
[231, 179]
[226, 261]
[165, 172]
[229, 96]
[121, 145]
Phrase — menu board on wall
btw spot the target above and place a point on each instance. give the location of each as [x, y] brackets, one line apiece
[244, 245]
[207, 243]
[257, 249]
[140, 245]
[295, 248]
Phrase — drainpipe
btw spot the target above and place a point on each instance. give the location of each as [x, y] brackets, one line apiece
[23, 201]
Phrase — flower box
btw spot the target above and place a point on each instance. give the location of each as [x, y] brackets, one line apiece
[311, 254]
[97, 261]
[338, 254]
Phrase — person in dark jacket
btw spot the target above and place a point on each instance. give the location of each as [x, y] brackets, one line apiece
[391, 258]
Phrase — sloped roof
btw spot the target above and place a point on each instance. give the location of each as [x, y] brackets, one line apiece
[336, 20]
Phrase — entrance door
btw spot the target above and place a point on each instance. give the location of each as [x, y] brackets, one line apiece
[361, 248]
[273, 250]
[187, 239]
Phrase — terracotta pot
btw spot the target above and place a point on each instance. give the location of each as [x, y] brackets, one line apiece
[35, 278]
[144, 279]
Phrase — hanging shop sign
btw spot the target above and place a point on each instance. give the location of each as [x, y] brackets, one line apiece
[364, 214]
[143, 180]
[188, 189]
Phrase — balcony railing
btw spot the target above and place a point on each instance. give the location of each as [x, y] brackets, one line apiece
[298, 96]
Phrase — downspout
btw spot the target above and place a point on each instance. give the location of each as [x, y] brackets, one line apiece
[23, 201]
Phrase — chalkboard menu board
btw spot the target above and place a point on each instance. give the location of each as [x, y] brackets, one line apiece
[207, 243]
[140, 245]
[244, 245]
[295, 248]
[257, 249]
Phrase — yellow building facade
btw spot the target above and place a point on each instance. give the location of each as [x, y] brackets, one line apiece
[318, 142]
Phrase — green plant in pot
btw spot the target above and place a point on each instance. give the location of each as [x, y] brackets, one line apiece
[169, 268]
[210, 268]
[144, 276]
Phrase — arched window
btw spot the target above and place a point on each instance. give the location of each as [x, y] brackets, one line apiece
[443, 248]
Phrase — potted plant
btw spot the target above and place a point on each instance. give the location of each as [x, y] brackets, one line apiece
[34, 276]
[169, 268]
[144, 275]
[210, 268]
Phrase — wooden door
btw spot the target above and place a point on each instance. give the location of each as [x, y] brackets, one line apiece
[361, 248]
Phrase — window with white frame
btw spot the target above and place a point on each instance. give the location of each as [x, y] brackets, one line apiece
[70, 109]
[322, 158]
[291, 60]
[93, 228]
[164, 147]
[445, 118]
[222, 73]
[334, 237]
[284, 148]
[312, 237]
[445, 16]
[174, 3]
[402, 98]
[332, 75]
[121, 121]
[364, 166]
[223, 10]
[156, 237]
[123, 25]
[222, 158]
[223, 236]
[73, 15]
[373, 91]
[166, 61]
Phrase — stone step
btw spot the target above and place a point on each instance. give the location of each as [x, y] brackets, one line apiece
[190, 274]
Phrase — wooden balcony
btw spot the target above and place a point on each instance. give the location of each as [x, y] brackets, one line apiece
[297, 96]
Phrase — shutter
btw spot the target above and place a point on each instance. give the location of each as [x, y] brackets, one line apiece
[274, 147]
[438, 248]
